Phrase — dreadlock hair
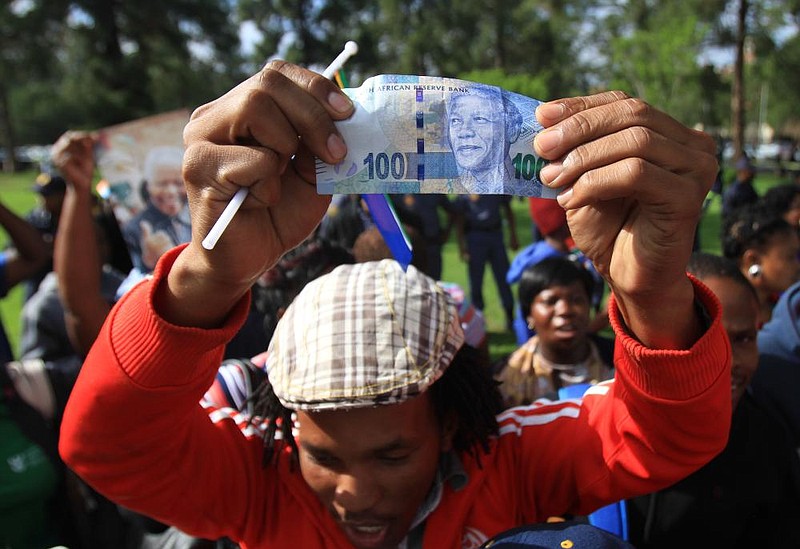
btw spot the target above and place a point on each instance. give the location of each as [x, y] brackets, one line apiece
[466, 390]
[268, 408]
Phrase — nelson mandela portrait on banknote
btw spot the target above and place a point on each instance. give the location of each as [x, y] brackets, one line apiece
[420, 134]
[481, 126]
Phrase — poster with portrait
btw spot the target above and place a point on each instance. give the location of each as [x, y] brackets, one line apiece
[140, 165]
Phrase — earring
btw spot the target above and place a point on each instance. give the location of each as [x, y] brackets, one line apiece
[531, 325]
[754, 271]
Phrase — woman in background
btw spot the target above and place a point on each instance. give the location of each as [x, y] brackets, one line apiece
[555, 296]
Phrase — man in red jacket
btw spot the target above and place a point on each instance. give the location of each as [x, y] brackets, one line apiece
[367, 440]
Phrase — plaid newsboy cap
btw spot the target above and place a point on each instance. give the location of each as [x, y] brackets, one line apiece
[363, 335]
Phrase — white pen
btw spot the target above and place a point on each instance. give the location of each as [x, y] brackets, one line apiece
[350, 49]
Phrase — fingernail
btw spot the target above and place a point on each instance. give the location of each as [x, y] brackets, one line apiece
[564, 196]
[339, 102]
[336, 146]
[551, 111]
[548, 140]
[550, 172]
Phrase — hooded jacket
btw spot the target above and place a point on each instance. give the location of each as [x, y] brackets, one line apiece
[777, 381]
[780, 337]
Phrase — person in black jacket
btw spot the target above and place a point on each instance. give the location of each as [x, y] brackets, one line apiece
[748, 495]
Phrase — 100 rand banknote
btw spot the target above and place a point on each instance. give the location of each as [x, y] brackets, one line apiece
[425, 134]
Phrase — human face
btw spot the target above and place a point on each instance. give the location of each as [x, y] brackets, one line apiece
[780, 267]
[477, 132]
[561, 317]
[745, 175]
[372, 467]
[166, 191]
[740, 320]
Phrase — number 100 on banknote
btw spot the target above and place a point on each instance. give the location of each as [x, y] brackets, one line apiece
[423, 134]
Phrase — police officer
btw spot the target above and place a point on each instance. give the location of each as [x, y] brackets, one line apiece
[481, 241]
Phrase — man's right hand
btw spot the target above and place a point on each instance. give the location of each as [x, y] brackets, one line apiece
[263, 135]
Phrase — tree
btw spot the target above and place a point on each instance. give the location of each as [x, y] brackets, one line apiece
[312, 33]
[110, 61]
[91, 63]
[785, 86]
[737, 94]
[28, 34]
[149, 55]
[651, 50]
[775, 58]
[531, 40]
[749, 28]
[426, 37]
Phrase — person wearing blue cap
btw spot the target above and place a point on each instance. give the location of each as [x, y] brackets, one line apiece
[741, 190]
[51, 188]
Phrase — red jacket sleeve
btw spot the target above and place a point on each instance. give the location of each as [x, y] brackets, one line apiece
[664, 415]
[134, 430]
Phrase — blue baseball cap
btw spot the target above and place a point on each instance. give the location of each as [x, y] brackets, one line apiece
[557, 535]
[47, 184]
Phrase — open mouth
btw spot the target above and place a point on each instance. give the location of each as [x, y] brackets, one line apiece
[366, 536]
[566, 330]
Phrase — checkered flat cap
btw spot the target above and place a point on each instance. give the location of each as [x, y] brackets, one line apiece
[363, 335]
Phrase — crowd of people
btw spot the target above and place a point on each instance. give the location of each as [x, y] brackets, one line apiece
[296, 385]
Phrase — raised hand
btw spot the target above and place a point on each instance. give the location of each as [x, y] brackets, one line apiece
[263, 135]
[633, 182]
[73, 156]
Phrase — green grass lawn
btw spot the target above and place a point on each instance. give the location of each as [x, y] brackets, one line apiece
[16, 194]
